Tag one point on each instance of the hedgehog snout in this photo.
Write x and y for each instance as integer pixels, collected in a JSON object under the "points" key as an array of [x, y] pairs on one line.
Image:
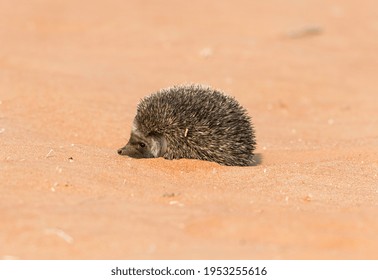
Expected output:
{"points": [[122, 151]]}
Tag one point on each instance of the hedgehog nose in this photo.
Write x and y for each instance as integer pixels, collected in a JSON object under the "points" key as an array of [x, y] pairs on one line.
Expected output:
{"points": [[119, 151]]}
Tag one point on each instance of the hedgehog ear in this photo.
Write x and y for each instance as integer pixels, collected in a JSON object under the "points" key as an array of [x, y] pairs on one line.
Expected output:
{"points": [[134, 126], [158, 144]]}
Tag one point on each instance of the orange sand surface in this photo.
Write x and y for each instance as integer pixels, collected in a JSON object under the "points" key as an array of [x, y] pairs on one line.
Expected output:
{"points": [[72, 73]]}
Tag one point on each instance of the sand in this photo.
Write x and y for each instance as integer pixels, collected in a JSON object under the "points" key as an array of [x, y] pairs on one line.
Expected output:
{"points": [[72, 73]]}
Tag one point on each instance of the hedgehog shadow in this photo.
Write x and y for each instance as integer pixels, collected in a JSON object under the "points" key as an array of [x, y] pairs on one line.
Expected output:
{"points": [[257, 159]]}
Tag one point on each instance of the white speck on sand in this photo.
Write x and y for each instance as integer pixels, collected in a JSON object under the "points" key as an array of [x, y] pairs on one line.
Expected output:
{"points": [[60, 233]]}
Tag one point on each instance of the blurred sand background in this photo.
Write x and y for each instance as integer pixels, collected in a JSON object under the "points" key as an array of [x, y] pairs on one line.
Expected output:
{"points": [[72, 73]]}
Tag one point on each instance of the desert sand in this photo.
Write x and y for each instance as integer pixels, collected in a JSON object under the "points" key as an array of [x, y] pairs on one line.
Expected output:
{"points": [[73, 72]]}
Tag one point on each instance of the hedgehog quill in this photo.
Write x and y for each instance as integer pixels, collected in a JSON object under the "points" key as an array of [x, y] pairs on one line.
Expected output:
{"points": [[194, 122]]}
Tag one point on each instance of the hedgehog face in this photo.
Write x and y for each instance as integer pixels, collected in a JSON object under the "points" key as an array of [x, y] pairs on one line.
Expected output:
{"points": [[152, 145]]}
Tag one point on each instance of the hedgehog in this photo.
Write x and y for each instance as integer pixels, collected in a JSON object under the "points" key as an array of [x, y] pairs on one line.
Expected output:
{"points": [[192, 121]]}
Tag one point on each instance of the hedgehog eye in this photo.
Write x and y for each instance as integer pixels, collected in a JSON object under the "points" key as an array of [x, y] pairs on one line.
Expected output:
{"points": [[142, 145]]}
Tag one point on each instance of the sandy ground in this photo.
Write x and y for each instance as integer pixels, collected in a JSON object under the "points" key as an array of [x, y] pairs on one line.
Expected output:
{"points": [[72, 73]]}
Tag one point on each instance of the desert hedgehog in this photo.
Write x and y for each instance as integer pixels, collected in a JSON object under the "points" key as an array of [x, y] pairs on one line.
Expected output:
{"points": [[194, 122]]}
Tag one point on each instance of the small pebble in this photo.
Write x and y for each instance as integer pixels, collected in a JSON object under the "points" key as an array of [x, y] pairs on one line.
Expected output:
{"points": [[175, 202], [53, 188], [309, 30], [59, 233], [308, 198], [206, 52], [50, 153], [169, 194]]}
